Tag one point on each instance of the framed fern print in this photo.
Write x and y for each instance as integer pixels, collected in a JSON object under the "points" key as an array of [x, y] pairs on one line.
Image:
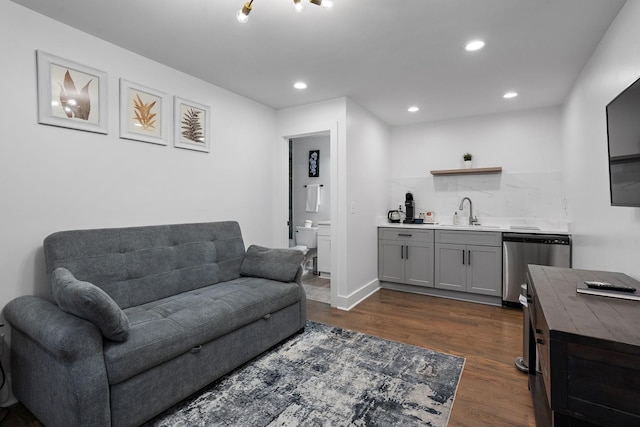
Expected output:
{"points": [[144, 113], [71, 95], [191, 125]]}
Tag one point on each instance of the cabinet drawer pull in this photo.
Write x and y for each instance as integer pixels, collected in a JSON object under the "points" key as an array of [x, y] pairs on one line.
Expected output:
{"points": [[540, 341], [538, 331], [404, 235]]}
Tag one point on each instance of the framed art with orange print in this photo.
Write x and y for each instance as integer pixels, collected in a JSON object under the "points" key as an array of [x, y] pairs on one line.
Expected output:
{"points": [[145, 113]]}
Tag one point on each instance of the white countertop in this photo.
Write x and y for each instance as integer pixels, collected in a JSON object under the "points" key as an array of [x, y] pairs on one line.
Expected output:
{"points": [[499, 228]]}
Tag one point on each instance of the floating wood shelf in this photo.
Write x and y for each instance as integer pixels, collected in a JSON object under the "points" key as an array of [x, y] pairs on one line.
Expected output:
{"points": [[466, 171]]}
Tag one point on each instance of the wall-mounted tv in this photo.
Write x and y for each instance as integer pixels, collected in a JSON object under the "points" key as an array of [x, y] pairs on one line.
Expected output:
{"points": [[623, 134]]}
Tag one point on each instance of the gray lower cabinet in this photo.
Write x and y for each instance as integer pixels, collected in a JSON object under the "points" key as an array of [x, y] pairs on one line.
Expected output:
{"points": [[406, 256], [469, 261]]}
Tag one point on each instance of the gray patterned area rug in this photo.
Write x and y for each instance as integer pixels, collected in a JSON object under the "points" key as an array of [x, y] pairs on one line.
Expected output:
{"points": [[328, 376]]}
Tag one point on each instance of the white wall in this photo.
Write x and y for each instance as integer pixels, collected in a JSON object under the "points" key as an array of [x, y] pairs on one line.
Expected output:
{"points": [[54, 179], [526, 144], [368, 181], [605, 237], [301, 148]]}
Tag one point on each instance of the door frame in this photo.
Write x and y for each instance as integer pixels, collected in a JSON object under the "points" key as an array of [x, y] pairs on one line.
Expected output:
{"points": [[336, 225]]}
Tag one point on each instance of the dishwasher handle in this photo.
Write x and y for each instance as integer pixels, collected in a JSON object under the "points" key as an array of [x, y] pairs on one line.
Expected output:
{"points": [[545, 239]]}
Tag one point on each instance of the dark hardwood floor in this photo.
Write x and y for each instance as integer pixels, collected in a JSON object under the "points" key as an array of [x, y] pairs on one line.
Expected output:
{"points": [[492, 392]]}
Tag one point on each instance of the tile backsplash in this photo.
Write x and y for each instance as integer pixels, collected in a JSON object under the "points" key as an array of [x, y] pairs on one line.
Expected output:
{"points": [[532, 198]]}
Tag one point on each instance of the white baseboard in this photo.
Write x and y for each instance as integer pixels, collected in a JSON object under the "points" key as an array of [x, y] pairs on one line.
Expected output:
{"points": [[348, 302]]}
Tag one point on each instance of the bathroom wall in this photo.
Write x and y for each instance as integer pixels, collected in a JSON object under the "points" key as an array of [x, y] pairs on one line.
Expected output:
{"points": [[526, 144], [301, 148]]}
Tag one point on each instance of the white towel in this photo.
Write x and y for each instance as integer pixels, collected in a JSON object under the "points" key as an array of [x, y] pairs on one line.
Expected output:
{"points": [[313, 197]]}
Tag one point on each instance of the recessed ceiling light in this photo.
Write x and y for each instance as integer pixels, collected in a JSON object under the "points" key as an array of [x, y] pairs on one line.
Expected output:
{"points": [[510, 95], [413, 109], [300, 85], [474, 45]]}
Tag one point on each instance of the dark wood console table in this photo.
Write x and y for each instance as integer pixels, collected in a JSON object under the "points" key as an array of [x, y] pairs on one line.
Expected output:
{"points": [[588, 350]]}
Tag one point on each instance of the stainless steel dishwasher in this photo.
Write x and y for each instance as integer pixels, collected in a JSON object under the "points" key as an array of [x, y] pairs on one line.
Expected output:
{"points": [[518, 251], [522, 249]]}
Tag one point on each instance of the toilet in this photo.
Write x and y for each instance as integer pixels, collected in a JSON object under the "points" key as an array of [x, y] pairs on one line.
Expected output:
{"points": [[307, 237], [307, 242]]}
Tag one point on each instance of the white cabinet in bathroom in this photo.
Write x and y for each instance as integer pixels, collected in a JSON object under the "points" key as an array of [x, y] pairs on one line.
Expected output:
{"points": [[324, 248]]}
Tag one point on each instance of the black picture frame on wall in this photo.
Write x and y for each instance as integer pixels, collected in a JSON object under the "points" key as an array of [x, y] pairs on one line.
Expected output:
{"points": [[314, 163]]}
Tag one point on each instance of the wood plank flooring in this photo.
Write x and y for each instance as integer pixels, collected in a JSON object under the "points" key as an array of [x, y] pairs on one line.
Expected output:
{"points": [[492, 392]]}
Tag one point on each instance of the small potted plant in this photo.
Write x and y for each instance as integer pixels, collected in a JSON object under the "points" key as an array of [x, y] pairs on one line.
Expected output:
{"points": [[467, 160]]}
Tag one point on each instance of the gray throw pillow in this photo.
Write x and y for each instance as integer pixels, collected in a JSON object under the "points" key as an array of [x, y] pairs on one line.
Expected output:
{"points": [[273, 264], [85, 300]]}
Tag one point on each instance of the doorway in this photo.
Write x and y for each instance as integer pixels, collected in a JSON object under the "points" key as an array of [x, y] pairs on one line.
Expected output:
{"points": [[309, 203]]}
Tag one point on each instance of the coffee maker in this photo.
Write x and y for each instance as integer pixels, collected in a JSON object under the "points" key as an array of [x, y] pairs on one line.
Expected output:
{"points": [[409, 208]]}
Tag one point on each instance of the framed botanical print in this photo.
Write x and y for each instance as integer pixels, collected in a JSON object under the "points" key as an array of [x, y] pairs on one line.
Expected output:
{"points": [[191, 125], [71, 95], [144, 113], [314, 163]]}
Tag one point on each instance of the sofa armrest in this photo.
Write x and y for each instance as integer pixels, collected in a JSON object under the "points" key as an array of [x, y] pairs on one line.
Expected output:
{"points": [[57, 364], [62, 334], [299, 273]]}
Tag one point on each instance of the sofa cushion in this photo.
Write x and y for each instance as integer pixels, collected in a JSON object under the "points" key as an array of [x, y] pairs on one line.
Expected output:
{"points": [[164, 329], [274, 264], [137, 265], [89, 302]]}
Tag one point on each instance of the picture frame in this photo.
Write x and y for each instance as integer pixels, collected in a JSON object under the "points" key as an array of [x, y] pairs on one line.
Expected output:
{"points": [[144, 113], [71, 95], [192, 123], [314, 163]]}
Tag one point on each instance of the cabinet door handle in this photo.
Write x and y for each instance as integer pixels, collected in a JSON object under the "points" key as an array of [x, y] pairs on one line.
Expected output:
{"points": [[538, 331], [402, 252], [463, 257], [540, 341], [406, 252], [469, 257]]}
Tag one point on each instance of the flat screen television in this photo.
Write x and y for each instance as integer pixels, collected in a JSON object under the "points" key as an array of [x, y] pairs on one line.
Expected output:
{"points": [[623, 135]]}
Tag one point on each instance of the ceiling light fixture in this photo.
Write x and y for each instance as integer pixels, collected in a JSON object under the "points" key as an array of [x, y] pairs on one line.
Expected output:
{"points": [[474, 45], [413, 109], [510, 95], [300, 85], [243, 14]]}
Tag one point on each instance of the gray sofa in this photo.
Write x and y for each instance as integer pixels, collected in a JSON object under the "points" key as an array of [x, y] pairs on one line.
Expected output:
{"points": [[142, 317]]}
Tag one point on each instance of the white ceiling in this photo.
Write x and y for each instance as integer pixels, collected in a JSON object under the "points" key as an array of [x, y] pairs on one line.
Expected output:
{"points": [[386, 55]]}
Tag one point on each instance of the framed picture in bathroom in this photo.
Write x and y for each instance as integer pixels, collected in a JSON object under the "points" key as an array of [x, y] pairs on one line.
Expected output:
{"points": [[314, 163]]}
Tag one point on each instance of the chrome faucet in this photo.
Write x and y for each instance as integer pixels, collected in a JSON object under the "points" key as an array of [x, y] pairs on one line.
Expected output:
{"points": [[472, 219]]}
